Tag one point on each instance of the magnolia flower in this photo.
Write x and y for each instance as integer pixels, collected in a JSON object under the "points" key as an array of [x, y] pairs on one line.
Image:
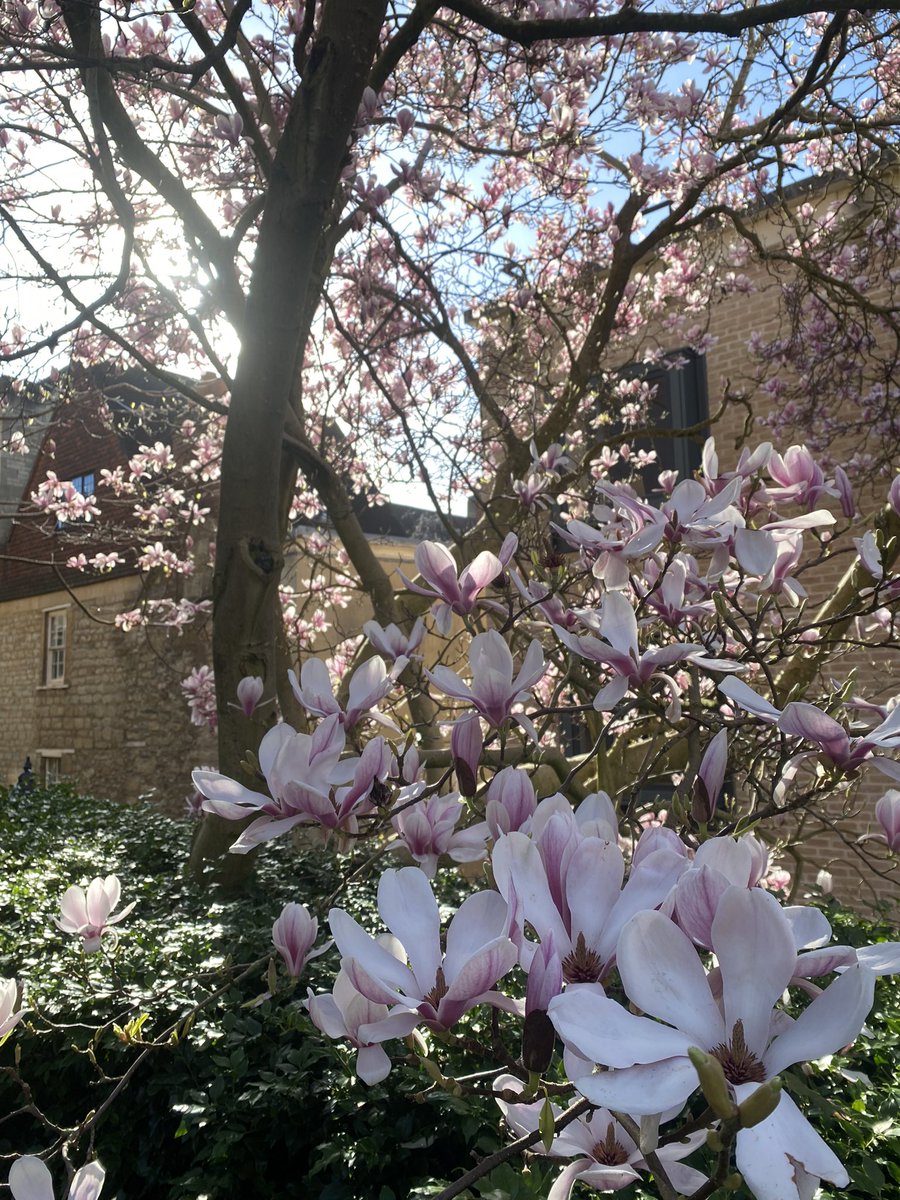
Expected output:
{"points": [[825, 882], [30, 1179], [9, 1018], [711, 776], [607, 1157], [621, 654], [294, 935], [732, 1018], [88, 914], [299, 771], [456, 593], [428, 829], [437, 987], [229, 126], [369, 684], [629, 531], [798, 476], [493, 691], [665, 591], [249, 694], [700, 521], [569, 886], [345, 1013], [510, 802], [391, 641], [806, 721]]}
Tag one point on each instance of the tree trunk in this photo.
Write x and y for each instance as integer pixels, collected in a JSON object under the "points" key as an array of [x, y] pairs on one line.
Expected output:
{"points": [[305, 179]]}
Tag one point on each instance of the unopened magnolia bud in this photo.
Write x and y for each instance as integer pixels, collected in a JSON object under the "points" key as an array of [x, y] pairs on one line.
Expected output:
{"points": [[733, 1182], [466, 745], [538, 1040], [713, 1082], [761, 1103], [714, 1140], [547, 1124]]}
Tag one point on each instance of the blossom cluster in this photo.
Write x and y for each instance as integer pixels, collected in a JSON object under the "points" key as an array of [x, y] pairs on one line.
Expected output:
{"points": [[646, 953]]}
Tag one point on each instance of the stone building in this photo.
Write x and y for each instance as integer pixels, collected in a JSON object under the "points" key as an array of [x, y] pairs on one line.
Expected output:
{"points": [[85, 700], [82, 699]]}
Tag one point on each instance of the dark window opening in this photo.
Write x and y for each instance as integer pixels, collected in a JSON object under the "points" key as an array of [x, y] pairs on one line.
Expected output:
{"points": [[680, 400], [85, 485]]}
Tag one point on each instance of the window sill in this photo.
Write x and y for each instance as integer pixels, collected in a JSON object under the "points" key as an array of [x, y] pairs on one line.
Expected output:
{"points": [[52, 687]]}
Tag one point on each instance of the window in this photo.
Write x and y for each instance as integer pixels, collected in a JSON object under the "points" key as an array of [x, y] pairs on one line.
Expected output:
{"points": [[50, 769], [55, 621], [681, 400], [85, 485]]}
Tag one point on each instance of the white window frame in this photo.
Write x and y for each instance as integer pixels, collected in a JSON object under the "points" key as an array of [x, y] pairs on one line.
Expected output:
{"points": [[55, 756], [51, 769], [55, 644]]}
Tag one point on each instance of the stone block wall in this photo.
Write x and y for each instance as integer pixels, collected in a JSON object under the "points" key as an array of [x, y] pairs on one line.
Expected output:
{"points": [[117, 724]]}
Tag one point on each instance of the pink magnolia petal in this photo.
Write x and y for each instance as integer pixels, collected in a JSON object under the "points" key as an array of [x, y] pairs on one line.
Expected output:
{"points": [[483, 569], [757, 957], [883, 958], [450, 683], [353, 942], [697, 896], [517, 863], [833, 1020], [755, 551], [437, 565], [398, 1023], [744, 697], [809, 926], [263, 829], [729, 856], [372, 988], [618, 624], [325, 1015], [806, 721], [593, 883], [768, 1154], [88, 1182], [229, 798], [602, 1031], [475, 979], [409, 909], [609, 1179], [98, 905], [73, 908], [644, 1090], [372, 1064], [480, 919], [663, 976], [824, 961], [650, 882], [565, 1181], [30, 1179], [610, 695]]}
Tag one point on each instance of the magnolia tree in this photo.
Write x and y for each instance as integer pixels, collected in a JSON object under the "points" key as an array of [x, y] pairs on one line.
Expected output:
{"points": [[406, 241], [653, 979]]}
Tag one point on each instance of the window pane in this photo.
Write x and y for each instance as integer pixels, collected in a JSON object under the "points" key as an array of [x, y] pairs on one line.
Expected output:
{"points": [[55, 647]]}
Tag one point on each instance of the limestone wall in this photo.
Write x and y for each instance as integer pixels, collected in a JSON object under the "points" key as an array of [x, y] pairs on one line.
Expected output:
{"points": [[116, 724]]}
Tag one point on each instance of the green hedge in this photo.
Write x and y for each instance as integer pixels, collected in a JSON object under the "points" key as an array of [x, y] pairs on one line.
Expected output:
{"points": [[254, 1102]]}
